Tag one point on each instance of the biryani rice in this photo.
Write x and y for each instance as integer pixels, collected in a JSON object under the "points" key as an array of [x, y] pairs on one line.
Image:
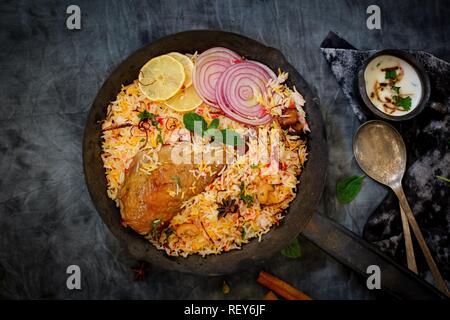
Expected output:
{"points": [[217, 233]]}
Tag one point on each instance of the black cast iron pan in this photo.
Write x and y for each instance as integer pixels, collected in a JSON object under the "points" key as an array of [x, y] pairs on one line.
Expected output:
{"points": [[311, 180], [331, 237]]}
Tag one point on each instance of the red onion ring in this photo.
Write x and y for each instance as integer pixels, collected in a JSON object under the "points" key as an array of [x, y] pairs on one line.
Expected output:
{"points": [[266, 68], [238, 88], [208, 68]]}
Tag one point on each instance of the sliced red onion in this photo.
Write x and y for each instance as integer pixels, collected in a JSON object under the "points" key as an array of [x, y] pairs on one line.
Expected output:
{"points": [[221, 52], [266, 68], [238, 89], [208, 68]]}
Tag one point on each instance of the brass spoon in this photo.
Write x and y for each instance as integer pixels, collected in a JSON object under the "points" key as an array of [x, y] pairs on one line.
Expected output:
{"points": [[380, 152], [410, 258]]}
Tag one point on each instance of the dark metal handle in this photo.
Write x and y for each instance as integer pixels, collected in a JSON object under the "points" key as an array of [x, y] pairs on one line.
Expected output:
{"points": [[354, 252]]}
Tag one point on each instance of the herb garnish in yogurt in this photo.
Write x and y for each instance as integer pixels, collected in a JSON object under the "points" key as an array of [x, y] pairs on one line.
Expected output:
{"points": [[393, 85]]}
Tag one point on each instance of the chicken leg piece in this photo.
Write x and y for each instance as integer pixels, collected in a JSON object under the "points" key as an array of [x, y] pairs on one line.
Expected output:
{"points": [[158, 195]]}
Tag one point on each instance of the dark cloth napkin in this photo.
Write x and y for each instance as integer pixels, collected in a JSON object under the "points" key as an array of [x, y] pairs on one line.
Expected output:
{"points": [[427, 139]]}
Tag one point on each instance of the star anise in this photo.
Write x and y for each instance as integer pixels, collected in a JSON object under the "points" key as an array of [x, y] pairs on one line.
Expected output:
{"points": [[227, 206], [140, 270]]}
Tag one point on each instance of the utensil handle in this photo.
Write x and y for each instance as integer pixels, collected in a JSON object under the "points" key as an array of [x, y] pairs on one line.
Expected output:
{"points": [[357, 254], [410, 258], [440, 282]]}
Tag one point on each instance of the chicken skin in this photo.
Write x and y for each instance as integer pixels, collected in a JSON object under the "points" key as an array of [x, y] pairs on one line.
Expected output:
{"points": [[158, 195]]}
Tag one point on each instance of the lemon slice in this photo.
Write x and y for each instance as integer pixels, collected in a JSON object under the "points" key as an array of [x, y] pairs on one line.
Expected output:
{"points": [[188, 66], [185, 100], [161, 78]]}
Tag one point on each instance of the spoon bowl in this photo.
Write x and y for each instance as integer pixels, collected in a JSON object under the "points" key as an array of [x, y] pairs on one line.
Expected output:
{"points": [[380, 152]]}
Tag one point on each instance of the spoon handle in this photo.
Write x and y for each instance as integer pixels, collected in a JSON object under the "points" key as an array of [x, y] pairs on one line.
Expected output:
{"points": [[410, 258], [440, 282]]}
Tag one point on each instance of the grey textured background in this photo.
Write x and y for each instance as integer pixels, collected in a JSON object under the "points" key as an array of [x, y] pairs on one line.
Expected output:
{"points": [[49, 78]]}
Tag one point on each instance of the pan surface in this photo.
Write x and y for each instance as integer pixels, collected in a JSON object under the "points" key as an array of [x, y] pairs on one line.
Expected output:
{"points": [[311, 181]]}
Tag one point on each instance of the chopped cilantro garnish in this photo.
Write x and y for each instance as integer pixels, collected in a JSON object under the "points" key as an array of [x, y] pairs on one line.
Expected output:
{"points": [[159, 137], [404, 102], [248, 199], [391, 74], [396, 89], [243, 233], [169, 231], [155, 232], [145, 115]]}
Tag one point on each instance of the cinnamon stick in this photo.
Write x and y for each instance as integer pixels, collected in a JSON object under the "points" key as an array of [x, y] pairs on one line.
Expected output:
{"points": [[270, 296], [280, 287]]}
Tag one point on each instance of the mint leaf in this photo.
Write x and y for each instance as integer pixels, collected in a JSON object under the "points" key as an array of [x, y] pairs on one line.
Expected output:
{"points": [[292, 250], [193, 121], [348, 188], [390, 74], [214, 124], [231, 137]]}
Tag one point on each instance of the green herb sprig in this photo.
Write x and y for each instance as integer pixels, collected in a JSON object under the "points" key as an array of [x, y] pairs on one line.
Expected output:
{"points": [[243, 233], [151, 118], [155, 232], [247, 198], [396, 89], [292, 250], [169, 231], [145, 115], [348, 188], [390, 74], [197, 124], [404, 102]]}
